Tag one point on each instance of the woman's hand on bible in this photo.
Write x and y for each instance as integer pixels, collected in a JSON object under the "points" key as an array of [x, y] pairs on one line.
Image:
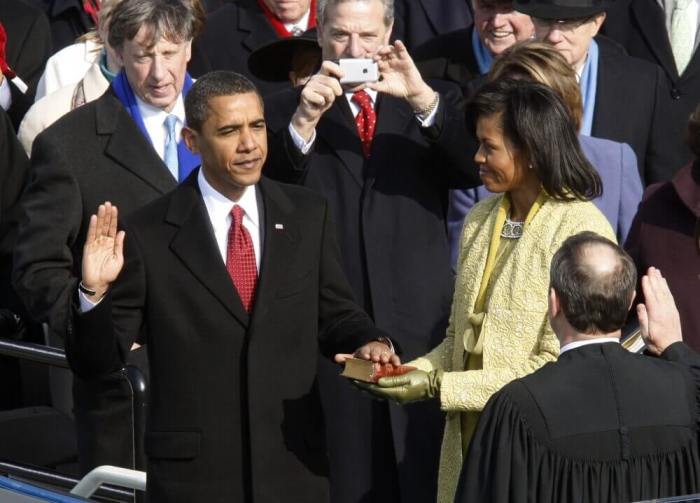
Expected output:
{"points": [[103, 253], [410, 387]]}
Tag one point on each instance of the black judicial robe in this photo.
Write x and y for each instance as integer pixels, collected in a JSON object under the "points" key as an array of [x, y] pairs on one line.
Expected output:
{"points": [[601, 424]]}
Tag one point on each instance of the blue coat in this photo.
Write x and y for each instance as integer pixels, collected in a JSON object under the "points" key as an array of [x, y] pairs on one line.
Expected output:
{"points": [[616, 164]]}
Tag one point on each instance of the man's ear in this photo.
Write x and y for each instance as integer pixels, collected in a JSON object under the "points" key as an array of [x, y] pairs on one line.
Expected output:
{"points": [[191, 139], [634, 296], [599, 20], [554, 305]]}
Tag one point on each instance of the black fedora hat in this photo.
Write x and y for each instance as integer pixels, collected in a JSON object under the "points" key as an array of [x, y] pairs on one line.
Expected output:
{"points": [[273, 61], [561, 9]]}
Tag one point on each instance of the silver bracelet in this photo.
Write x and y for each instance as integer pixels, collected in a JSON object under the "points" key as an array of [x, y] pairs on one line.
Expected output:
{"points": [[424, 112]]}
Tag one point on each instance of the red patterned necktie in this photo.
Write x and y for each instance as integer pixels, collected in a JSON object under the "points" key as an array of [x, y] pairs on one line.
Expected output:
{"points": [[366, 120], [240, 259]]}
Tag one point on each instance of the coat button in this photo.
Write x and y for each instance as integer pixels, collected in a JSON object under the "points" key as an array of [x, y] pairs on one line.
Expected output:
{"points": [[675, 94]]}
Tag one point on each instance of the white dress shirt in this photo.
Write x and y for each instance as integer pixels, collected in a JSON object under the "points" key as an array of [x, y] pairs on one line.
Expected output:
{"points": [[304, 146], [154, 120], [5, 95], [300, 26], [219, 211], [588, 342]]}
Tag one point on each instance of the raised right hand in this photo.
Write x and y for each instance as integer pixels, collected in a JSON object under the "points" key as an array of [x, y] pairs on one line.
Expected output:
{"points": [[103, 253], [659, 319], [317, 97]]}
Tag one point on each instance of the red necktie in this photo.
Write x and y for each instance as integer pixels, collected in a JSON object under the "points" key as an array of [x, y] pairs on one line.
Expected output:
{"points": [[366, 120], [240, 259]]}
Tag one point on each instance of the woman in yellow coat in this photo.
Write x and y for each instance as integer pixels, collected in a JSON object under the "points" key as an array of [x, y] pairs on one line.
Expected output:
{"points": [[528, 154]]}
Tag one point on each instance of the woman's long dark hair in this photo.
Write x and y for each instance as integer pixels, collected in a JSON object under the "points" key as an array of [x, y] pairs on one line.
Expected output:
{"points": [[538, 125]]}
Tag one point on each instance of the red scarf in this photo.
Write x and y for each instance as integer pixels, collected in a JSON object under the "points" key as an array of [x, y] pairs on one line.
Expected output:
{"points": [[4, 67], [91, 8], [278, 25]]}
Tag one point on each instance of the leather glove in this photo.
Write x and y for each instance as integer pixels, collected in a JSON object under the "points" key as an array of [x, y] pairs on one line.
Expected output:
{"points": [[410, 387]]}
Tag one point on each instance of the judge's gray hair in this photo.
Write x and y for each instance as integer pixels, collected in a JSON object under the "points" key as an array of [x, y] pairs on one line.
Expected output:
{"points": [[323, 5], [175, 20]]}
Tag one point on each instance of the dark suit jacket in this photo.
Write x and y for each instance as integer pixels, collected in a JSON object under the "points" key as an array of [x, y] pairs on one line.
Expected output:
{"points": [[628, 105], [417, 21], [640, 26], [234, 412], [230, 35], [663, 236], [14, 170], [28, 48], [93, 154], [600, 424], [449, 56], [390, 212]]}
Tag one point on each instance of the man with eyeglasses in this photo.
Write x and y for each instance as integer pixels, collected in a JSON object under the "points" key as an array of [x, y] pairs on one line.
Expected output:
{"points": [[620, 93]]}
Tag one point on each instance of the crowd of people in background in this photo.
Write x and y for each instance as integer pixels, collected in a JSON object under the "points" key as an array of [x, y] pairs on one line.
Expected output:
{"points": [[192, 188]]}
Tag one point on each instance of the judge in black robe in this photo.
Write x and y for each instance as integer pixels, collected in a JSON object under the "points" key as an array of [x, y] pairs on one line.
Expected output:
{"points": [[599, 425]]}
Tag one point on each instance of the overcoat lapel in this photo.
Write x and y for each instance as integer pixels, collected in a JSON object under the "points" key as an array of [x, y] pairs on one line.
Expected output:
{"points": [[128, 147], [194, 244], [393, 117], [281, 239], [650, 18], [252, 21], [338, 130]]}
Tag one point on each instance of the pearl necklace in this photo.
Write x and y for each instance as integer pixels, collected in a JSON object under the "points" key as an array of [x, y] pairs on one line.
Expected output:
{"points": [[512, 229]]}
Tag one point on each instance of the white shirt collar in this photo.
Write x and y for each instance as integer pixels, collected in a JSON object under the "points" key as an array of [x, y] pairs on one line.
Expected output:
{"points": [[302, 24], [219, 206], [156, 116], [578, 344]]}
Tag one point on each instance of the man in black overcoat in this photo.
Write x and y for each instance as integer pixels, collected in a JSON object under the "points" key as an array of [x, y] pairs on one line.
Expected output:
{"points": [[621, 94], [110, 149], [601, 423], [388, 194], [234, 413], [643, 27]]}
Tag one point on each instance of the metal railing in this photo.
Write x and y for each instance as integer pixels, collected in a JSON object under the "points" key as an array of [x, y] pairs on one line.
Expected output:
{"points": [[56, 357]]}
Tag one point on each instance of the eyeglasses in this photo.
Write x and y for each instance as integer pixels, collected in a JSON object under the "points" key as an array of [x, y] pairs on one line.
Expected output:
{"points": [[561, 24]]}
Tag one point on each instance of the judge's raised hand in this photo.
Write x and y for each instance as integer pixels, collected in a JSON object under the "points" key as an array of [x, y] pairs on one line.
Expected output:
{"points": [[400, 77], [103, 253], [317, 97], [659, 320]]}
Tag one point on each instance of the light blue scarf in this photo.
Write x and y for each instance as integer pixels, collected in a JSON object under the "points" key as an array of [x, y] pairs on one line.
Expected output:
{"points": [[589, 84], [187, 161]]}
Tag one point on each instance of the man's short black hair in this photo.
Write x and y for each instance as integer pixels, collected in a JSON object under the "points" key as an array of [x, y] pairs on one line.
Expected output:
{"points": [[592, 300], [212, 85]]}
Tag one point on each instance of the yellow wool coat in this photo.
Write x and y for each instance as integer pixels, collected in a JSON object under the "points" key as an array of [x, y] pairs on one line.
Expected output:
{"points": [[516, 336]]}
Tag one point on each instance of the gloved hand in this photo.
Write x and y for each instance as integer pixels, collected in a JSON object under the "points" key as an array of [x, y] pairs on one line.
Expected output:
{"points": [[411, 387]]}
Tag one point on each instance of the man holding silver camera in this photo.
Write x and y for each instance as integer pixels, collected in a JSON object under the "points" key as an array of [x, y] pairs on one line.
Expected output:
{"points": [[384, 152]]}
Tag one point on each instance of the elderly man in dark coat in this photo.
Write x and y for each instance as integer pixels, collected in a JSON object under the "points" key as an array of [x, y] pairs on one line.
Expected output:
{"points": [[124, 147], [599, 424]]}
